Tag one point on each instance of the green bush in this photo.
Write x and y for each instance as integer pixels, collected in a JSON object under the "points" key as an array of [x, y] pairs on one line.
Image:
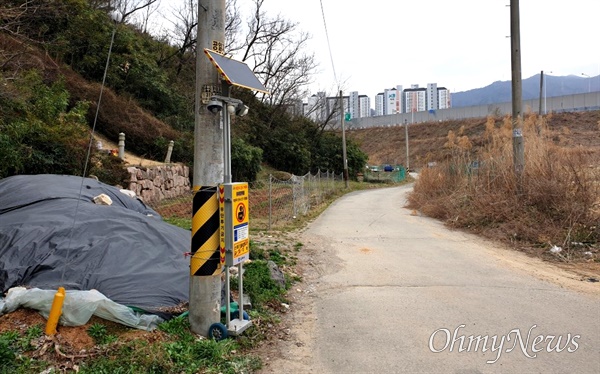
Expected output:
{"points": [[259, 286], [327, 151], [245, 160], [43, 135], [108, 169], [99, 333]]}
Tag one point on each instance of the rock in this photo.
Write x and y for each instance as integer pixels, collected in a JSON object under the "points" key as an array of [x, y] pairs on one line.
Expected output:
{"points": [[103, 199], [276, 274]]}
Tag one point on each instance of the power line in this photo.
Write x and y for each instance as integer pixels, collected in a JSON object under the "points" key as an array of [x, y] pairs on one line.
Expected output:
{"points": [[328, 43]]}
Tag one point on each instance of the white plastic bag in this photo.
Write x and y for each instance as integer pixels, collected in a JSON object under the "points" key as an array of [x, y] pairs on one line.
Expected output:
{"points": [[78, 307]]}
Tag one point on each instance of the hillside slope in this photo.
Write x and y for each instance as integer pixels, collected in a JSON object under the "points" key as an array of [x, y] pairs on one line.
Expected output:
{"points": [[117, 114]]}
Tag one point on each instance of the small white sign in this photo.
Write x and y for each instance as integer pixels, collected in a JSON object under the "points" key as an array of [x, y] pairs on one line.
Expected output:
{"points": [[240, 232]]}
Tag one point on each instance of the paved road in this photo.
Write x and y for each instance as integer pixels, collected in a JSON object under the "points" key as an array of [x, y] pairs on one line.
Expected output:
{"points": [[398, 286]]}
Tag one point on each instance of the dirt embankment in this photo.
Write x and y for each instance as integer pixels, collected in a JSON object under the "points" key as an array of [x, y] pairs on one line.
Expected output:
{"points": [[386, 145]]}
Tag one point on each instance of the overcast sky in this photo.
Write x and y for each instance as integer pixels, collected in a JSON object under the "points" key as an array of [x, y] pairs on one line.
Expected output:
{"points": [[458, 44]]}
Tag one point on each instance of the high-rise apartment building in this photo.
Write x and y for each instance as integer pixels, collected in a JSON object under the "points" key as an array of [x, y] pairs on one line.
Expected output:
{"points": [[354, 104], [333, 104], [444, 101], [415, 99], [316, 108], [379, 104], [364, 105], [432, 96], [389, 102]]}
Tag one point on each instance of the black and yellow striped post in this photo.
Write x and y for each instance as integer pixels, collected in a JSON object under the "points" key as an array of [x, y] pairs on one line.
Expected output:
{"points": [[206, 256]]}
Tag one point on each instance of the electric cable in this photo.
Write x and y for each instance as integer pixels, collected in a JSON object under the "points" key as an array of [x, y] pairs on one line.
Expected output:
{"points": [[89, 151], [328, 43]]}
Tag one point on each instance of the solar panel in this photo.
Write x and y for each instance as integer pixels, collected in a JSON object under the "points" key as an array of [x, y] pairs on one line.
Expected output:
{"points": [[234, 72]]}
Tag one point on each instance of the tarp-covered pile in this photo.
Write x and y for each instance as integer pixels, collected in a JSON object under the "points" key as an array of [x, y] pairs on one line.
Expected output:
{"points": [[53, 234]]}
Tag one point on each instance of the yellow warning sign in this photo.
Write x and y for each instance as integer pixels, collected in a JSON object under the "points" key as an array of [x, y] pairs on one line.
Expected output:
{"points": [[235, 236], [241, 238]]}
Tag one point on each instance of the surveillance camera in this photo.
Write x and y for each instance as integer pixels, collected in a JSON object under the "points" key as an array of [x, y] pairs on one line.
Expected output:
{"points": [[231, 108], [241, 110], [214, 106]]}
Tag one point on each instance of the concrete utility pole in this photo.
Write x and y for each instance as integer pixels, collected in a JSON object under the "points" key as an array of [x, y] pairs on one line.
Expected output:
{"points": [[517, 92], [205, 291], [406, 146], [541, 91], [342, 114]]}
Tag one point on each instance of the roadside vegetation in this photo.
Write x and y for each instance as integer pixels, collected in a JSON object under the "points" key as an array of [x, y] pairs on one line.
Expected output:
{"points": [[552, 212], [52, 61], [172, 348]]}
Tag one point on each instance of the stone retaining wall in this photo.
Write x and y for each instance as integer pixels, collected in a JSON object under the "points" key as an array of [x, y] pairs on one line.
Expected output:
{"points": [[153, 184]]}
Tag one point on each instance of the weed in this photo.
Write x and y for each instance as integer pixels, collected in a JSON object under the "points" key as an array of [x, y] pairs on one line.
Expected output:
{"points": [[276, 256], [257, 251], [7, 353], [550, 204], [100, 335], [259, 285], [12, 347], [179, 327], [184, 223]]}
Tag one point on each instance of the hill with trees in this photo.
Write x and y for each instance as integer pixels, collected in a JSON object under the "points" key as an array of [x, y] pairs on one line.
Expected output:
{"points": [[53, 60]]}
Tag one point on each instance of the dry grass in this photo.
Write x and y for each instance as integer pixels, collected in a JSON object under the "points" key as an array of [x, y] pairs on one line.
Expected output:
{"points": [[555, 202]]}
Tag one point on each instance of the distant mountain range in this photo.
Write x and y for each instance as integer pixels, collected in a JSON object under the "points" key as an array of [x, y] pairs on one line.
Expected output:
{"points": [[500, 91]]}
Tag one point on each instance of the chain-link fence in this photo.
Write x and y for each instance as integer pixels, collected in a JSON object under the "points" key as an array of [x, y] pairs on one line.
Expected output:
{"points": [[273, 202], [383, 173]]}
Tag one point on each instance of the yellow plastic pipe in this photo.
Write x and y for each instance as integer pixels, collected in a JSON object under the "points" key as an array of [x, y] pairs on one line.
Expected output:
{"points": [[55, 311]]}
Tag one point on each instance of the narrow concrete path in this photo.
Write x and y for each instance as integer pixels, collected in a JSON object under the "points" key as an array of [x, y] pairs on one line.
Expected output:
{"points": [[395, 292]]}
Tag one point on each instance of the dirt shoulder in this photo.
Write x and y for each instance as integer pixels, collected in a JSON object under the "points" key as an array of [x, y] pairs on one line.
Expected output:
{"points": [[290, 350]]}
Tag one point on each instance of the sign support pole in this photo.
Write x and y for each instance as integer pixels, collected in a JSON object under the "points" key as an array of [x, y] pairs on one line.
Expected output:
{"points": [[238, 325]]}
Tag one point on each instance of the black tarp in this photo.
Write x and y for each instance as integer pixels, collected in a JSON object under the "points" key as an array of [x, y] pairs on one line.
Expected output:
{"points": [[52, 234]]}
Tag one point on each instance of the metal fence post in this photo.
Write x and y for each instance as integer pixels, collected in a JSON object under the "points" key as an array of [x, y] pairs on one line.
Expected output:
{"points": [[293, 198], [319, 187], [270, 200]]}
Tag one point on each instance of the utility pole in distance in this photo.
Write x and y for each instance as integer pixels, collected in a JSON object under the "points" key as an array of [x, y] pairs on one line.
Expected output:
{"points": [[541, 91], [205, 291], [517, 92], [342, 114]]}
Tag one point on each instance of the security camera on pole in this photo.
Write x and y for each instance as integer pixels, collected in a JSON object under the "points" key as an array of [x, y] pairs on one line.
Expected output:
{"points": [[233, 215], [205, 290], [212, 165]]}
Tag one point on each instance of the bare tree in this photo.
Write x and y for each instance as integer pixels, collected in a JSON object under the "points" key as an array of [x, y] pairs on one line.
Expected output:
{"points": [[183, 34], [184, 30], [274, 49], [324, 111], [129, 7], [142, 21], [233, 23], [20, 17]]}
